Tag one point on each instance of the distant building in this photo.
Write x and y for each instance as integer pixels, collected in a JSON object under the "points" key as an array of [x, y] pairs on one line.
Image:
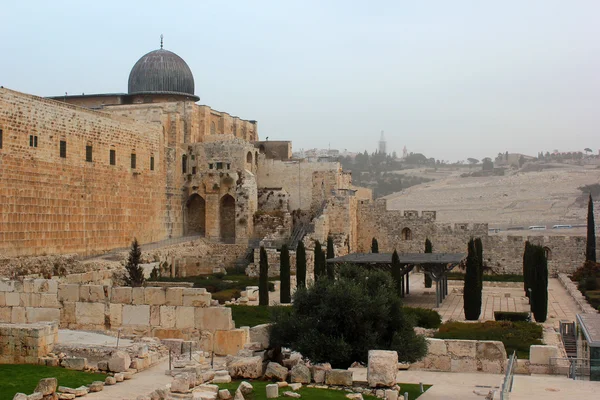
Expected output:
{"points": [[382, 144]]}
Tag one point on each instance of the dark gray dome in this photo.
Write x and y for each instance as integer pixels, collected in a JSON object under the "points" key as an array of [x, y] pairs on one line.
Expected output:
{"points": [[161, 72]]}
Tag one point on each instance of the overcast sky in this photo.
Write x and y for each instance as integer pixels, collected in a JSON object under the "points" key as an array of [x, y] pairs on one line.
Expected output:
{"points": [[451, 79]]}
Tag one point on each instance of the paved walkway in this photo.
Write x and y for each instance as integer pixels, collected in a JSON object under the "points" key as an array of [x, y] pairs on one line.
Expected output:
{"points": [[495, 298], [142, 383]]}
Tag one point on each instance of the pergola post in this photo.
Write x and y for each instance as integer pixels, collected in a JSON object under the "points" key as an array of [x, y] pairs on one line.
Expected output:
{"points": [[407, 282], [402, 286], [437, 294]]}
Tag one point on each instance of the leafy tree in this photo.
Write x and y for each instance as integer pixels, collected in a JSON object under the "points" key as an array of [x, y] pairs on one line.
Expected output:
{"points": [[263, 278], [374, 246], [319, 266], [340, 321], [488, 165], [330, 254], [590, 248], [284, 274], [539, 283], [135, 273], [587, 150], [428, 249], [300, 266], [472, 161], [472, 288]]}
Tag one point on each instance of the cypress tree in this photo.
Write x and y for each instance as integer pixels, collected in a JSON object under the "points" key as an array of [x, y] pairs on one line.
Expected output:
{"points": [[330, 254], [284, 274], [428, 249], [318, 269], [590, 248], [135, 273], [471, 290], [300, 266], [539, 283], [396, 271], [479, 255], [263, 279], [374, 246]]}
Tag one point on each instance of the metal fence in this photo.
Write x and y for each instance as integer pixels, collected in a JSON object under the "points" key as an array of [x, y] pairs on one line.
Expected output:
{"points": [[508, 377], [574, 368]]}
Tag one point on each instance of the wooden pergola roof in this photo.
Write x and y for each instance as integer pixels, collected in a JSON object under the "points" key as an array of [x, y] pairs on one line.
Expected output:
{"points": [[405, 258]]}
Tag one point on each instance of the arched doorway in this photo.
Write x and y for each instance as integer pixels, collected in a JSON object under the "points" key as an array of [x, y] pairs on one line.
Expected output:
{"points": [[196, 216], [249, 158], [406, 234], [227, 218]]}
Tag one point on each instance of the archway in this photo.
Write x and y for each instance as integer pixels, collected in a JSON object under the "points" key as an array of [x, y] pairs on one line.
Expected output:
{"points": [[406, 234], [249, 158], [261, 149], [227, 218], [196, 215]]}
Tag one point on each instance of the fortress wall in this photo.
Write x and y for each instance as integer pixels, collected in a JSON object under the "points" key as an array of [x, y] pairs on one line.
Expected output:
{"points": [[503, 253], [157, 311], [50, 204]]}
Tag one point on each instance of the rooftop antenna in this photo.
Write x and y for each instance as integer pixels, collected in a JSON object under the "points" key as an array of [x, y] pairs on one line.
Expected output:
{"points": [[161, 40]]}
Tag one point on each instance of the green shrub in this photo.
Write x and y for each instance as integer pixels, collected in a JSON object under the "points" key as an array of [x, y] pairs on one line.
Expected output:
{"points": [[340, 321], [226, 295], [271, 287], [459, 276], [255, 315], [511, 316], [516, 336], [424, 317]]}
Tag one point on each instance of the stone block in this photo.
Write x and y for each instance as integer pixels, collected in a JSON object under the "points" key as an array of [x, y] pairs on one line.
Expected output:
{"points": [[136, 315], [491, 350], [382, 368], [42, 314], [174, 297], [181, 384], [261, 334], [436, 347], [46, 386], [30, 299], [391, 394], [155, 316], [74, 363], [116, 315], [319, 371], [18, 315], [49, 300], [68, 292], [213, 318], [89, 313], [110, 380], [522, 367], [154, 296], [462, 348], [174, 345], [245, 367], [184, 317], [229, 342], [541, 354], [463, 365], [7, 285], [121, 295], [67, 313], [5, 314], [300, 373], [137, 295], [224, 395], [272, 391], [96, 386], [94, 293], [492, 367], [13, 299], [2, 299], [196, 297], [167, 316], [45, 286], [438, 363], [338, 377], [276, 371], [119, 361]]}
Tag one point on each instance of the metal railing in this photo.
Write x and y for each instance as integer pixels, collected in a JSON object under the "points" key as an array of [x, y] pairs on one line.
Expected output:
{"points": [[574, 368], [508, 377]]}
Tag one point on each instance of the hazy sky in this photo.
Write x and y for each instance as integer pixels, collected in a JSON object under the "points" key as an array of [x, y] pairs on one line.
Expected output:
{"points": [[451, 79]]}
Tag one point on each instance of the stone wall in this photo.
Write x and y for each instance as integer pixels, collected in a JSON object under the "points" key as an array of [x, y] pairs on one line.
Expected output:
{"points": [[463, 356], [26, 343], [52, 204], [273, 199], [150, 311]]}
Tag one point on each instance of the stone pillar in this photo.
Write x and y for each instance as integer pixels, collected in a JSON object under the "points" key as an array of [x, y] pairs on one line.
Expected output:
{"points": [[213, 230]]}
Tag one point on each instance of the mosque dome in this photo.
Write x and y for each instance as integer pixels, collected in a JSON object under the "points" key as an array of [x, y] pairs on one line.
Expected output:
{"points": [[161, 72]]}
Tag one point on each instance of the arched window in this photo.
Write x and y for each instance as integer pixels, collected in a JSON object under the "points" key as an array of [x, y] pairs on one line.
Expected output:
{"points": [[184, 163], [213, 129], [548, 253], [261, 149], [249, 158], [406, 234]]}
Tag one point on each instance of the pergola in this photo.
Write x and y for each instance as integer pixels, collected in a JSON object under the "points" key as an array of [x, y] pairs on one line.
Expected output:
{"points": [[436, 265]]}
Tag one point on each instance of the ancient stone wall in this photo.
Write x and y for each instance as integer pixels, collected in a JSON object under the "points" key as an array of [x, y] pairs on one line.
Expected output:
{"points": [[154, 311], [26, 343], [53, 204], [273, 199], [275, 149]]}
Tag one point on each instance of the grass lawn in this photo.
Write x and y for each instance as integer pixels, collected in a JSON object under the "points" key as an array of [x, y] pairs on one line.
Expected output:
{"points": [[459, 276], [222, 287], [253, 315], [24, 378], [259, 392], [516, 336]]}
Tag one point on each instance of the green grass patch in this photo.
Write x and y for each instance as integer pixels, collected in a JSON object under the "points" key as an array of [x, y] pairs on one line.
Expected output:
{"points": [[424, 317], [516, 336], [223, 287], [24, 378], [259, 392], [459, 276], [254, 315]]}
